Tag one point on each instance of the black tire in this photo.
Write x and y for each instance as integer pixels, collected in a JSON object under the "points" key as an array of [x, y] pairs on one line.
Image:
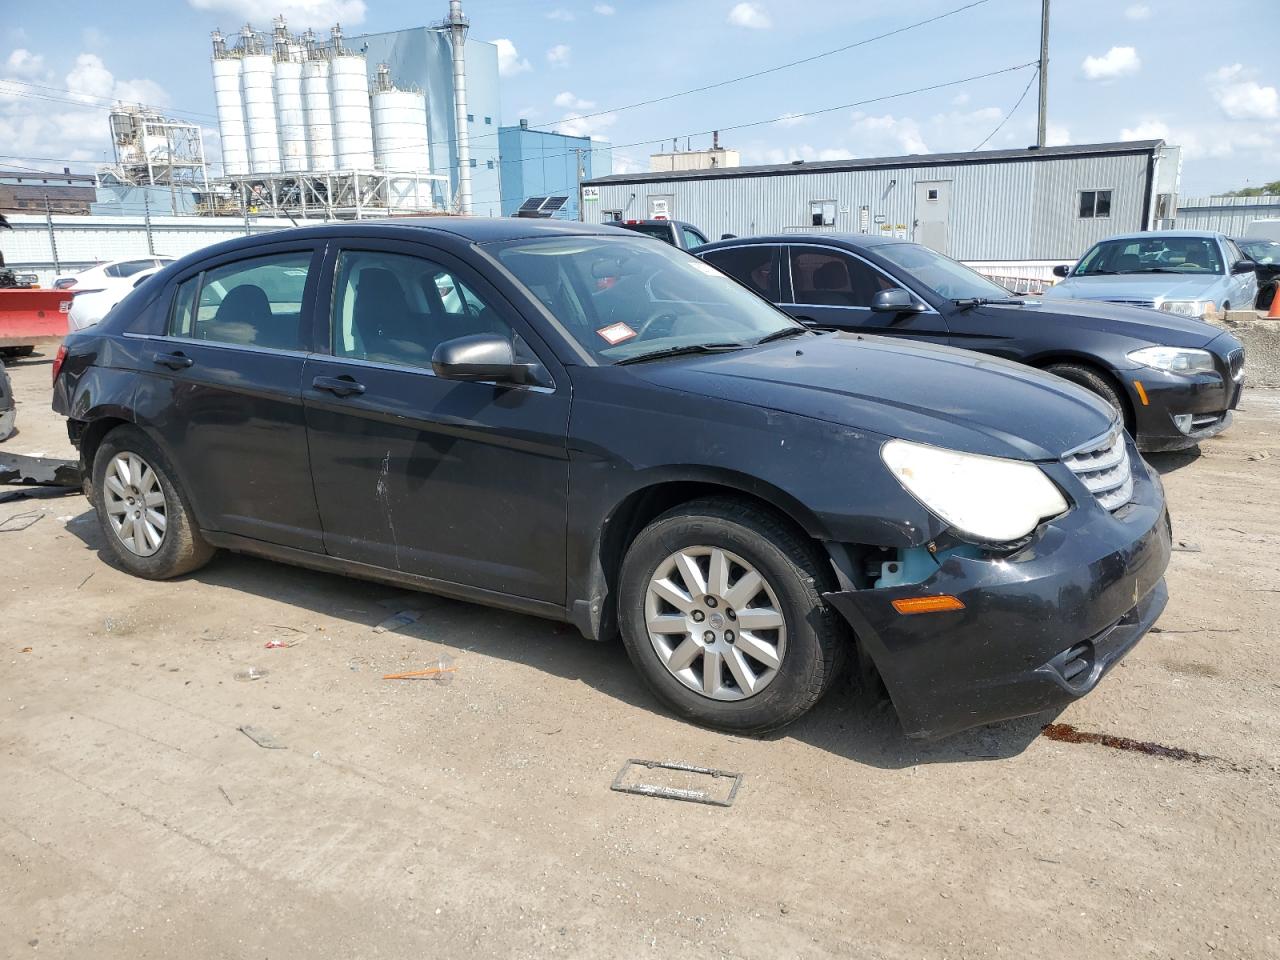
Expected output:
{"points": [[1094, 382], [1265, 297], [817, 640], [16, 353], [182, 549]]}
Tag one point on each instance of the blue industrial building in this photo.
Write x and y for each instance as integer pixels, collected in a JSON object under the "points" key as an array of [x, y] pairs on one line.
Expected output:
{"points": [[540, 163], [421, 58]]}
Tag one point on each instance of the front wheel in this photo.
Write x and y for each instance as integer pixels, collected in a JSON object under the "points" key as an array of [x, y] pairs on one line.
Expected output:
{"points": [[143, 513], [721, 612], [1094, 382]]}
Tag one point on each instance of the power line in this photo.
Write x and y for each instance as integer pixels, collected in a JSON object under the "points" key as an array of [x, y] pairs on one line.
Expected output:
{"points": [[1007, 116]]}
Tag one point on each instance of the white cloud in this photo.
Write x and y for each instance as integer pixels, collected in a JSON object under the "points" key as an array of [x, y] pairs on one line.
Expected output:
{"points": [[568, 101], [960, 99], [887, 135], [300, 13], [1116, 62], [605, 9], [1241, 98], [572, 126], [791, 120], [509, 60], [753, 16], [561, 14], [558, 56], [1056, 136], [1138, 11], [23, 63]]}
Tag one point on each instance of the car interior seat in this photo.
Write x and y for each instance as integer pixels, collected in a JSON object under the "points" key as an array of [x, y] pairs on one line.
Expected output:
{"points": [[244, 316]]}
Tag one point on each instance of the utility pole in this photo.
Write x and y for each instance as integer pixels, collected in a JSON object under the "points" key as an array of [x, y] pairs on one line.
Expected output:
{"points": [[1044, 73], [578, 166], [457, 25]]}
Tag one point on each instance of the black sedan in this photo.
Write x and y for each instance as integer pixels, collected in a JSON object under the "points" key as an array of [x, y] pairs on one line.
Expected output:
{"points": [[1173, 380], [586, 425], [1266, 254]]}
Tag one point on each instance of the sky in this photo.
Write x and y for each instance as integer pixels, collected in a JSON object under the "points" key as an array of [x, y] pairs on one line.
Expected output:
{"points": [[1203, 77]]}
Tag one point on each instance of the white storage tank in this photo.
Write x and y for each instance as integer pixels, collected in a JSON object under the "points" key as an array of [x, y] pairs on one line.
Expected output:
{"points": [[400, 131], [319, 114], [291, 116], [257, 85], [231, 126], [352, 125]]}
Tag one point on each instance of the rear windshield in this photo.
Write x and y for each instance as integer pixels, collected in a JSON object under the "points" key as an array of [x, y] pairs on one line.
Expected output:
{"points": [[1189, 255], [660, 230]]}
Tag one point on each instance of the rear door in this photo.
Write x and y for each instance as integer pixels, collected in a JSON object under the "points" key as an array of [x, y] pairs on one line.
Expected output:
{"points": [[458, 481], [1244, 286], [223, 392], [833, 289]]}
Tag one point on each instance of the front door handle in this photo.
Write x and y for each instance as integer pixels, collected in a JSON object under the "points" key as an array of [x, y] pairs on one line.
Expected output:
{"points": [[174, 361], [343, 386]]}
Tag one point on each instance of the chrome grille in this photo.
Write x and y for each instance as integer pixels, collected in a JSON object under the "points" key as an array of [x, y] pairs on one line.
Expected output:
{"points": [[1236, 361], [1103, 467], [1133, 303]]}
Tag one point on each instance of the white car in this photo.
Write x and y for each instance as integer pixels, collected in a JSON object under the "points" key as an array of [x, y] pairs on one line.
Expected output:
{"points": [[91, 306], [98, 277]]}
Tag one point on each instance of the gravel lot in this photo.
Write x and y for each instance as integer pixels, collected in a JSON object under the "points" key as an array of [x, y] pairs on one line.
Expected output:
{"points": [[411, 819]]}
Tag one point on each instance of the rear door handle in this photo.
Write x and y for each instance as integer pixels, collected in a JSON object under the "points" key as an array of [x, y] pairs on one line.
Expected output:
{"points": [[174, 361], [343, 386]]}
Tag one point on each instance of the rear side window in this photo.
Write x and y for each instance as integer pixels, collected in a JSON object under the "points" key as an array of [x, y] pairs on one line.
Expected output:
{"points": [[755, 267], [254, 302]]}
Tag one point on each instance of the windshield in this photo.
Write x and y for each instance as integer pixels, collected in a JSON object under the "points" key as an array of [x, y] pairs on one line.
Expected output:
{"points": [[624, 296], [941, 274], [1190, 255], [1261, 251]]}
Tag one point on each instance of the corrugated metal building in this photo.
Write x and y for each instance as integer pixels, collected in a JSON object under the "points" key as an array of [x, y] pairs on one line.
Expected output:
{"points": [[1031, 207], [542, 163], [1229, 215]]}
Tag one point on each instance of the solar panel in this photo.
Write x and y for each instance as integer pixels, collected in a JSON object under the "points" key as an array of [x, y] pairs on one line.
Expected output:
{"points": [[533, 203], [553, 204]]}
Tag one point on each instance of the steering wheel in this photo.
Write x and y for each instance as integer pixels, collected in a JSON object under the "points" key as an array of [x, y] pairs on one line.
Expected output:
{"points": [[653, 318]]}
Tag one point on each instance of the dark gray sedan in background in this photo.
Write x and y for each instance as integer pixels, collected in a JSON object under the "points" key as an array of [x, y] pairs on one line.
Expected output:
{"points": [[587, 425]]}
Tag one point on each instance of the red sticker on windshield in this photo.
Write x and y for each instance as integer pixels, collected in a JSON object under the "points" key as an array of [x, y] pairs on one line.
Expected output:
{"points": [[616, 333]]}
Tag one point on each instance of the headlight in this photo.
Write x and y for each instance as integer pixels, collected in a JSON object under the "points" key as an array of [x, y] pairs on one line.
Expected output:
{"points": [[988, 498], [1186, 308], [1174, 359]]}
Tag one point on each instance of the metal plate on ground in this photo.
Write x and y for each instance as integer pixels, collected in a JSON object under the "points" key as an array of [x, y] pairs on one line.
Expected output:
{"points": [[683, 782]]}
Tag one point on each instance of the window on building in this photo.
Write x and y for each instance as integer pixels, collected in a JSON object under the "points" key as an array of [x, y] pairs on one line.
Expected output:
{"points": [[931, 193], [489, 164], [822, 213], [1095, 204], [473, 161], [488, 121], [471, 118]]}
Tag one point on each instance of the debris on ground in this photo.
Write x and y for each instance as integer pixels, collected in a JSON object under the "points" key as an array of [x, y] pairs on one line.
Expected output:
{"points": [[26, 649], [250, 673], [1186, 546], [1066, 733], [1259, 455], [278, 644], [401, 619], [226, 796], [19, 521], [689, 794], [442, 673], [263, 738], [40, 471]]}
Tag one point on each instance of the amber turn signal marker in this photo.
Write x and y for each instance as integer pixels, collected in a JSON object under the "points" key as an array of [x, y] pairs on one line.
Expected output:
{"points": [[1142, 394], [927, 604]]}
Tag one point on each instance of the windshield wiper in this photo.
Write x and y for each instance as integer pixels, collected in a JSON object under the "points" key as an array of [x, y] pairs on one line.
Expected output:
{"points": [[1156, 270], [968, 302], [783, 334], [680, 352]]}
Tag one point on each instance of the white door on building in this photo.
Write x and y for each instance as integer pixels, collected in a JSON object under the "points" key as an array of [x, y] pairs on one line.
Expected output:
{"points": [[933, 209]]}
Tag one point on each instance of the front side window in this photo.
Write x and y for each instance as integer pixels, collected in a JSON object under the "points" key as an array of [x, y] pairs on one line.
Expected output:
{"points": [[395, 308], [254, 302], [692, 238], [1095, 204], [755, 266], [624, 296], [1154, 254], [1261, 251], [830, 279]]}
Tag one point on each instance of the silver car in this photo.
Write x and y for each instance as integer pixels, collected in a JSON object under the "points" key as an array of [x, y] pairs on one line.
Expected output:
{"points": [[1187, 272]]}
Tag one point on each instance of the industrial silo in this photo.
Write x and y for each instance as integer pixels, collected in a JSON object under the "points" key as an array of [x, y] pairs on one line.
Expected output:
{"points": [[349, 94], [319, 114], [226, 93], [399, 128], [257, 85], [291, 115]]}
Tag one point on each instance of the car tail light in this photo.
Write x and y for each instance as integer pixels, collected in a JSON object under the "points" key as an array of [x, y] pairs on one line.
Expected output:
{"points": [[66, 283], [58, 360]]}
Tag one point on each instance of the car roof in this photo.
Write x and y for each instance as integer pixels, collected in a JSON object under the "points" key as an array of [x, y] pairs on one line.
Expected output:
{"points": [[852, 241], [1148, 234]]}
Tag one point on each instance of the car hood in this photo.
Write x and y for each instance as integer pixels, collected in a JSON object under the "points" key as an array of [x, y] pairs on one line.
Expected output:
{"points": [[929, 394], [1138, 286], [1140, 323]]}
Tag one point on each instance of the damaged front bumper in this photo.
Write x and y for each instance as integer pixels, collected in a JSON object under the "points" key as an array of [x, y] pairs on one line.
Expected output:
{"points": [[1039, 628]]}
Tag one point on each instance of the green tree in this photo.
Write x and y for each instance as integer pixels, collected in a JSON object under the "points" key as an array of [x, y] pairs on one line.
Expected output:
{"points": [[1266, 190]]}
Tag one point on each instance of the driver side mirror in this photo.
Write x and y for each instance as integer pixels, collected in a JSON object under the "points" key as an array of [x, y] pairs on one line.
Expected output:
{"points": [[896, 300], [481, 356], [1062, 270], [1244, 266]]}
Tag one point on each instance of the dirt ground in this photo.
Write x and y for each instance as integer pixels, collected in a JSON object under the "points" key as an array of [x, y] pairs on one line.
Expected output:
{"points": [[412, 819]]}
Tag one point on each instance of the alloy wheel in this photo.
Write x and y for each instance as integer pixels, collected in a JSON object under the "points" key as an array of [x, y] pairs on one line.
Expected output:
{"points": [[135, 503], [715, 623]]}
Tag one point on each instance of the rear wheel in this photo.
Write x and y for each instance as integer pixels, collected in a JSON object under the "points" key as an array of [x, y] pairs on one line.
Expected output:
{"points": [[16, 353], [143, 514], [721, 612], [1094, 382]]}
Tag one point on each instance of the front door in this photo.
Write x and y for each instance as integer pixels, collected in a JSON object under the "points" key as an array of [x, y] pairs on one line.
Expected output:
{"points": [[457, 481], [833, 289], [933, 209], [223, 393]]}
